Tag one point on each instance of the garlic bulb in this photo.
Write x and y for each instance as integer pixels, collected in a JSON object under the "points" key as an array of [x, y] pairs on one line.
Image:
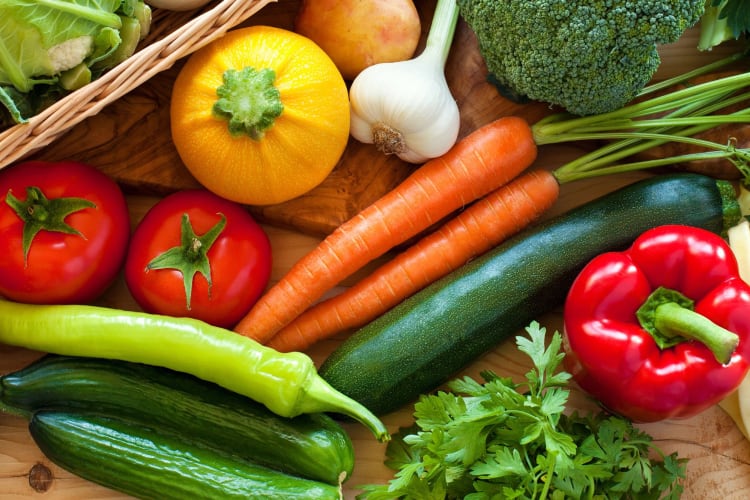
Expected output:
{"points": [[406, 108]]}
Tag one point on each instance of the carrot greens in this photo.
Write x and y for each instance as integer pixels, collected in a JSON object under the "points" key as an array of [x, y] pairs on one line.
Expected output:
{"points": [[501, 439], [674, 110]]}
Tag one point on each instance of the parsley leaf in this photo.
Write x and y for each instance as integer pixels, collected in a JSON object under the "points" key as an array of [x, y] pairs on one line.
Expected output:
{"points": [[500, 439]]}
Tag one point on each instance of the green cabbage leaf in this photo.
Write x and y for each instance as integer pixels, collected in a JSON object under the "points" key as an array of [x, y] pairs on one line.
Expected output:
{"points": [[51, 47]]}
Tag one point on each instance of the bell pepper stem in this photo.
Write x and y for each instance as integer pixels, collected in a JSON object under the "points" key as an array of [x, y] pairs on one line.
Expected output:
{"points": [[673, 320]]}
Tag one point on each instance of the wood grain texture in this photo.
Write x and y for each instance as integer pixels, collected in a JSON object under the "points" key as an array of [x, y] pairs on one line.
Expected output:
{"points": [[130, 141], [719, 455]]}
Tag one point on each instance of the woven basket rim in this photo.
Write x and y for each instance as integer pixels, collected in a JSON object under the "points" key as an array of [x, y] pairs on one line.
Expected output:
{"points": [[42, 129]]}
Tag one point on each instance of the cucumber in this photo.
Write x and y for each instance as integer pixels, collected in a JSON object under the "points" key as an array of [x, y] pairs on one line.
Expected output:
{"points": [[422, 342], [145, 463], [310, 445]]}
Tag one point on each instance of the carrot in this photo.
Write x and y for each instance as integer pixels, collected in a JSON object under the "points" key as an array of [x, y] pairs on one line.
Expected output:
{"points": [[479, 163], [477, 229]]}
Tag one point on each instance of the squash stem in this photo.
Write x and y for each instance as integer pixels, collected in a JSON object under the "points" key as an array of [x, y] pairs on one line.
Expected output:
{"points": [[248, 101]]}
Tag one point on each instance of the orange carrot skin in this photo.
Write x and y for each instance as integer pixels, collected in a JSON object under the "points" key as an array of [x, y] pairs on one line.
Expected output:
{"points": [[482, 161], [482, 226]]}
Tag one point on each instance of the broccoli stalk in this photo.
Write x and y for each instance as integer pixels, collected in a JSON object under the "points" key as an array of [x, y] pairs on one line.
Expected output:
{"points": [[723, 20]]}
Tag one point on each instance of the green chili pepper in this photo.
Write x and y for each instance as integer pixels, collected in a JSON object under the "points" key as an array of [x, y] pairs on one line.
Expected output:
{"points": [[287, 383]]}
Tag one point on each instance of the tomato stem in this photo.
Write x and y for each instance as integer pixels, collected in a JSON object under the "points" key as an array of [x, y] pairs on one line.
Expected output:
{"points": [[190, 257], [40, 213]]}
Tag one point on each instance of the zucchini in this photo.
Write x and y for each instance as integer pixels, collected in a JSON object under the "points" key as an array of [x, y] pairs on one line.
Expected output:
{"points": [[426, 339], [145, 463], [310, 445]]}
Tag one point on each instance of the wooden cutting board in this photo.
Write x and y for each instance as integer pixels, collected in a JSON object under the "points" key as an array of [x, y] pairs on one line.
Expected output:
{"points": [[128, 140]]}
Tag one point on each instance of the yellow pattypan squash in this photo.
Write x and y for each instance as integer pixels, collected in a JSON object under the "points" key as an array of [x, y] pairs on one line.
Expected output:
{"points": [[260, 116]]}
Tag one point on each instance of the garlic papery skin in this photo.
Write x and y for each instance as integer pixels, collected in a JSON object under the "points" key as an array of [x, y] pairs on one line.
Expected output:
{"points": [[406, 108]]}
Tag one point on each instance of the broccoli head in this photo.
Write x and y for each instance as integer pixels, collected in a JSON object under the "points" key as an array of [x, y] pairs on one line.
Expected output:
{"points": [[588, 57]]}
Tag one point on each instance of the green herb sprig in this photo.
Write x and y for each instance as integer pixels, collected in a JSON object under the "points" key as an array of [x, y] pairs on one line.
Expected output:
{"points": [[505, 440]]}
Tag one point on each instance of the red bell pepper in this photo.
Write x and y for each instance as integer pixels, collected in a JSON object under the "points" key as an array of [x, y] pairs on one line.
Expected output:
{"points": [[661, 330]]}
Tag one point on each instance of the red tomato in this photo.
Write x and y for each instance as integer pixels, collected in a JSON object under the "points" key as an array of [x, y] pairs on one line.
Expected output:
{"points": [[76, 254], [237, 262]]}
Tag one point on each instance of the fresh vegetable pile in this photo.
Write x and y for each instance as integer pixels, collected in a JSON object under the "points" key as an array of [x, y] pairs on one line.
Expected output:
{"points": [[484, 161], [206, 391], [416, 346]]}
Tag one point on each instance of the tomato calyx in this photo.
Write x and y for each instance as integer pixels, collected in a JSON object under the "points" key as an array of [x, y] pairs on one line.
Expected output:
{"points": [[249, 101], [190, 257], [40, 213]]}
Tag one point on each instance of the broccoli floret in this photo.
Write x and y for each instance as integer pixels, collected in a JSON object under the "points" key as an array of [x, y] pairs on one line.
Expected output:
{"points": [[588, 57]]}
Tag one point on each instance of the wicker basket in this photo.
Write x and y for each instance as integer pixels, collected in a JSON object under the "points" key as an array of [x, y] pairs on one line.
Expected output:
{"points": [[173, 35]]}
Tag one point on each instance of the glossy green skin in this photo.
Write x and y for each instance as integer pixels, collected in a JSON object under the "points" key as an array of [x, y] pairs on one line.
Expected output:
{"points": [[310, 445], [428, 338], [183, 344], [286, 383], [142, 462]]}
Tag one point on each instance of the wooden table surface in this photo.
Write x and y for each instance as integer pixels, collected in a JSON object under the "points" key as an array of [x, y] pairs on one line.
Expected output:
{"points": [[719, 455]]}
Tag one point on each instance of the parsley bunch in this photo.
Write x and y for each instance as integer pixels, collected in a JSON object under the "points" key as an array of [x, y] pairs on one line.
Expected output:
{"points": [[503, 440]]}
